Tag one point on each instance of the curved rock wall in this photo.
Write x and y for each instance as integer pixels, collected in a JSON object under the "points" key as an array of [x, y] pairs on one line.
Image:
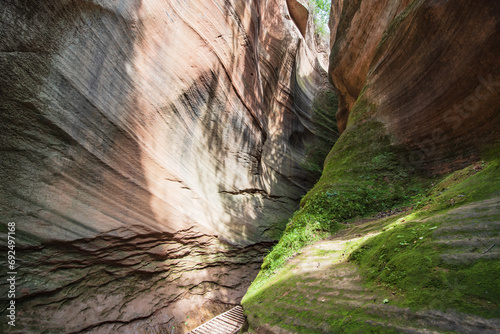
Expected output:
{"points": [[427, 70], [356, 30], [150, 150]]}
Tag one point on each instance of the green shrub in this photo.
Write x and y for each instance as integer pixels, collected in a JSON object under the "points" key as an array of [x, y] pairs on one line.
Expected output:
{"points": [[321, 12]]}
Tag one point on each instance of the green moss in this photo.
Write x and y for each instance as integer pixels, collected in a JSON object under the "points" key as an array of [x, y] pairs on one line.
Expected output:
{"points": [[308, 226], [406, 258], [359, 327], [402, 258], [303, 229], [473, 183], [292, 300], [362, 109], [363, 175], [368, 172], [406, 261], [476, 288], [279, 303], [398, 257], [369, 162]]}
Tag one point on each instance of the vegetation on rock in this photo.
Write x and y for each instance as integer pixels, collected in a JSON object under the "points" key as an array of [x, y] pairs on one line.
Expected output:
{"points": [[363, 175], [321, 14], [407, 258], [365, 278], [342, 265]]}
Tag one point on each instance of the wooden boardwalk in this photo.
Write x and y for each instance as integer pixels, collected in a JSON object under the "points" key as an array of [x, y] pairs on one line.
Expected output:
{"points": [[229, 322]]}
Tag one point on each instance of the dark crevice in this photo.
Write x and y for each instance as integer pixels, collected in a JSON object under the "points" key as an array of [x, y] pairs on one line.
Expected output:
{"points": [[252, 191]]}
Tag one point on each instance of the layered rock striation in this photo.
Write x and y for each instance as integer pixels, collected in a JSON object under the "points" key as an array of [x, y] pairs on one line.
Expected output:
{"points": [[150, 151]]}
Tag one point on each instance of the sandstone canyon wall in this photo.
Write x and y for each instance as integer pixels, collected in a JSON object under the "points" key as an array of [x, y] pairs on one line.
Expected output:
{"points": [[418, 84], [428, 71], [149, 151]]}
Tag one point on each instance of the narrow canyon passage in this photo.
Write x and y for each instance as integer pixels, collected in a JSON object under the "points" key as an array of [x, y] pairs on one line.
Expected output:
{"points": [[164, 161]]}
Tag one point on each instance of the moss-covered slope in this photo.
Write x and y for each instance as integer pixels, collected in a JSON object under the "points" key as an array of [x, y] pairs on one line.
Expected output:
{"points": [[434, 267]]}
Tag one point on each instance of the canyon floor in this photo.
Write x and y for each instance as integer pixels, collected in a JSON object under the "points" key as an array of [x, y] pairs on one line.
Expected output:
{"points": [[328, 288]]}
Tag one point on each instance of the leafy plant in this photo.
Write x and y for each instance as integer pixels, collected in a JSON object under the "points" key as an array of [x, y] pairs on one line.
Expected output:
{"points": [[321, 12]]}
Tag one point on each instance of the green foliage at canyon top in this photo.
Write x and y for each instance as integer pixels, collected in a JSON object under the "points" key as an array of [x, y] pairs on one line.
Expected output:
{"points": [[321, 12]]}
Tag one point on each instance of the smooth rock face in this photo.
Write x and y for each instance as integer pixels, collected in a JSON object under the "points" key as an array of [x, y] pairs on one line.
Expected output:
{"points": [[149, 150], [429, 71], [356, 30]]}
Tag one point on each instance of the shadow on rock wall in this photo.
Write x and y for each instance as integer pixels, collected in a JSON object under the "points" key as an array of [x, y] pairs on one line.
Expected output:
{"points": [[91, 251], [124, 176]]}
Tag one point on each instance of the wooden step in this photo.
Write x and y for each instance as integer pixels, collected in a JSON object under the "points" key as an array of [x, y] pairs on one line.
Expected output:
{"points": [[229, 322]]}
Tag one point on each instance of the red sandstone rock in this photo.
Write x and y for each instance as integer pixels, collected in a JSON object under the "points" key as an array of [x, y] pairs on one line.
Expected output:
{"points": [[148, 149], [429, 72], [356, 30]]}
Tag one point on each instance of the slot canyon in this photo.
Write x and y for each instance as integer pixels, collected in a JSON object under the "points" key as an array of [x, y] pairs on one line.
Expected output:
{"points": [[159, 156]]}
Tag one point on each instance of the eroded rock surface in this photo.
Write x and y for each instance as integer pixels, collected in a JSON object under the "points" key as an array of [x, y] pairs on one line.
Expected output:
{"points": [[149, 151], [419, 95], [429, 71]]}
